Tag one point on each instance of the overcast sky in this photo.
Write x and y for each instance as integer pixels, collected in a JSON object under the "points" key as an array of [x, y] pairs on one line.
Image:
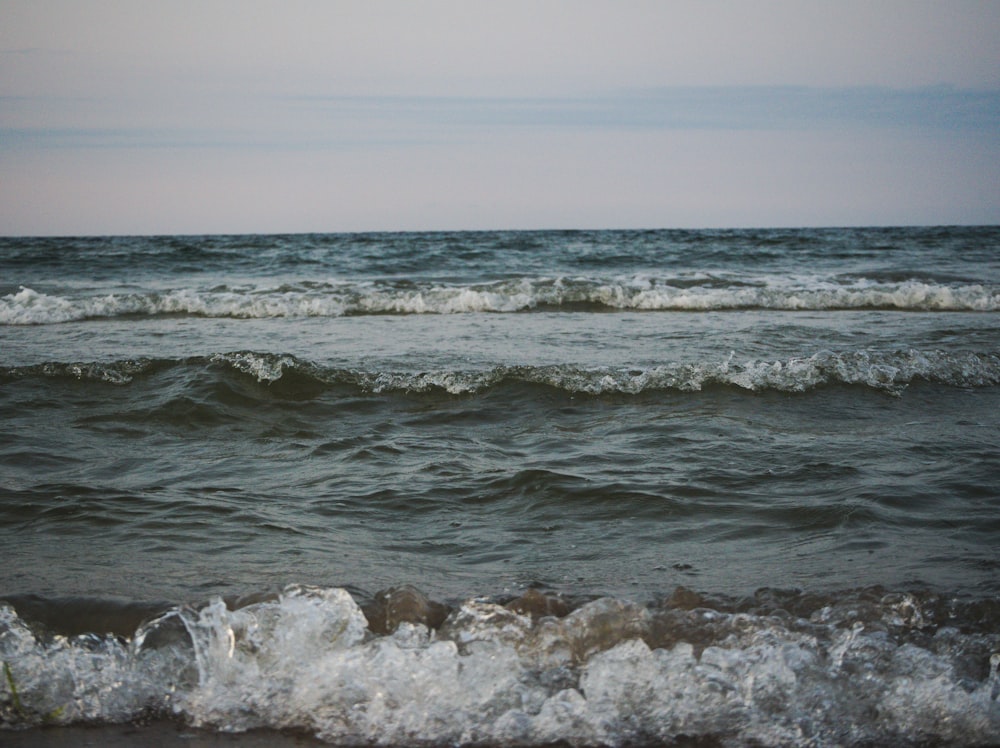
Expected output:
{"points": [[210, 116]]}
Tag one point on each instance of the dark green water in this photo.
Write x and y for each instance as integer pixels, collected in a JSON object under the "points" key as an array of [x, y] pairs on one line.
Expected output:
{"points": [[682, 424]]}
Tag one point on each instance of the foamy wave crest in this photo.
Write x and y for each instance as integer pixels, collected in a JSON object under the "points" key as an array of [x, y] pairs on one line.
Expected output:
{"points": [[27, 307], [113, 372], [863, 671], [909, 296], [888, 371]]}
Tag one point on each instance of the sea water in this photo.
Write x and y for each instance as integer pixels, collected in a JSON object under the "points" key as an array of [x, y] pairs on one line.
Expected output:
{"points": [[506, 488]]}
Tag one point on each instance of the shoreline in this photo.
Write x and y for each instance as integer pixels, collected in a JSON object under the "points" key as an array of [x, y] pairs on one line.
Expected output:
{"points": [[164, 733], [155, 734]]}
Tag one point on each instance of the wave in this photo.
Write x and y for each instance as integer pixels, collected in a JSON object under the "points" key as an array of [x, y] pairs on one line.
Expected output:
{"points": [[698, 293], [886, 371], [783, 668]]}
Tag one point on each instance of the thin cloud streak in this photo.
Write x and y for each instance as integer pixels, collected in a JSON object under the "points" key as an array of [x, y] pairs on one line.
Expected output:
{"points": [[725, 108], [305, 122]]}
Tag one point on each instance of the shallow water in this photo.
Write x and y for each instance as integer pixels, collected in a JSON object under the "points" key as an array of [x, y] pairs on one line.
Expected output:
{"points": [[756, 471]]}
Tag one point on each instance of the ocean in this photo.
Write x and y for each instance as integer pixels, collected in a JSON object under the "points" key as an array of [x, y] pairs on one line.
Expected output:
{"points": [[505, 488]]}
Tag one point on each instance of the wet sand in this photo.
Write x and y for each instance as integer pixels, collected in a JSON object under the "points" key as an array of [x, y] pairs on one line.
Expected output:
{"points": [[164, 734]]}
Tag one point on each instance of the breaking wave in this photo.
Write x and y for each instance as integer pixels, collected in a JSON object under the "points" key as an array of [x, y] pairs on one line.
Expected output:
{"points": [[887, 371], [867, 667], [30, 307]]}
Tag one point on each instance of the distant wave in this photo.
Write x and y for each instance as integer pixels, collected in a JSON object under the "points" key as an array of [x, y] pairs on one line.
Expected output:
{"points": [[886, 371], [861, 668], [30, 307]]}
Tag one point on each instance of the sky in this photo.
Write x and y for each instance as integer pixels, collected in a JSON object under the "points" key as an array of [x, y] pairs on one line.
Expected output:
{"points": [[218, 116]]}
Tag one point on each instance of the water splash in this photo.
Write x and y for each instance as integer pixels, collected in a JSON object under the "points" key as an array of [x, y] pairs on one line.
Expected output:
{"points": [[609, 672]]}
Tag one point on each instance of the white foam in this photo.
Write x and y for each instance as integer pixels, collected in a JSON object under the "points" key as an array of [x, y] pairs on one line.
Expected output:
{"points": [[306, 661], [891, 372], [262, 366], [887, 371], [29, 307]]}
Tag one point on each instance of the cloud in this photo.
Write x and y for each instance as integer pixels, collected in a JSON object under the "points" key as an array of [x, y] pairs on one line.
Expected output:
{"points": [[715, 107], [305, 122]]}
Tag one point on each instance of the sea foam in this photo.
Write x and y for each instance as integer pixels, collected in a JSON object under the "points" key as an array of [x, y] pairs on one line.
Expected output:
{"points": [[30, 307], [610, 672], [889, 371]]}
